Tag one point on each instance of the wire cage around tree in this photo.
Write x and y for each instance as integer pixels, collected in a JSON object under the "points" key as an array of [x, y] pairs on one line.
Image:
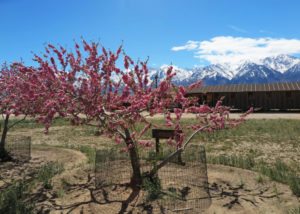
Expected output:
{"points": [[19, 147], [183, 184]]}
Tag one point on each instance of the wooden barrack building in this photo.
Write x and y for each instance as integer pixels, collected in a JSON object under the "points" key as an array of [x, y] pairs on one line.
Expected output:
{"points": [[267, 96]]}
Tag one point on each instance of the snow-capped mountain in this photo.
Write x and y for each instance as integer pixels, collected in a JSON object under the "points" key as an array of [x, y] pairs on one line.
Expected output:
{"points": [[293, 74], [211, 74], [182, 75], [269, 69], [252, 73], [280, 63]]}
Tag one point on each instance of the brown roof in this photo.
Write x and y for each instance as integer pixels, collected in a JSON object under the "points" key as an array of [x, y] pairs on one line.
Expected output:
{"points": [[278, 86]]}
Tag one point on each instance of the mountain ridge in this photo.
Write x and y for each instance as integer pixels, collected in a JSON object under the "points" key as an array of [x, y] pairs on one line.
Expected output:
{"points": [[280, 68]]}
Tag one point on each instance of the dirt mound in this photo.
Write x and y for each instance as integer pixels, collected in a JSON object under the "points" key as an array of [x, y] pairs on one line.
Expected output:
{"points": [[232, 190], [40, 156], [236, 190]]}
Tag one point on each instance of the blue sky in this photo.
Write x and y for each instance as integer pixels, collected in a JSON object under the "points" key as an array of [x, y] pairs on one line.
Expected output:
{"points": [[184, 32]]}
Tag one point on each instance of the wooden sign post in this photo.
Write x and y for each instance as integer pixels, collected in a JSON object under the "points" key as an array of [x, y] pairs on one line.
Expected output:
{"points": [[164, 134]]}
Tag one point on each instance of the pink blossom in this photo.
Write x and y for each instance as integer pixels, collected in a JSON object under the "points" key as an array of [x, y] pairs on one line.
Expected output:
{"points": [[204, 109], [218, 104], [130, 146], [145, 129], [178, 113], [126, 63], [182, 90], [250, 110], [196, 84], [145, 143], [169, 70], [46, 131], [133, 135], [170, 142], [51, 46], [169, 123]]}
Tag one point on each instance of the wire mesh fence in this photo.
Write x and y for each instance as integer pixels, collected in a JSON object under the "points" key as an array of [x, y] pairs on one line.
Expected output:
{"points": [[182, 188], [19, 147]]}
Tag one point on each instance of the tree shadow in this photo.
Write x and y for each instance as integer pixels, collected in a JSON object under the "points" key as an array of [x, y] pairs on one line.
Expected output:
{"points": [[94, 194], [238, 194]]}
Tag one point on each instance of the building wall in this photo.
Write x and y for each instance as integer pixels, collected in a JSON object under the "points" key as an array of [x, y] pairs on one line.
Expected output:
{"points": [[244, 100]]}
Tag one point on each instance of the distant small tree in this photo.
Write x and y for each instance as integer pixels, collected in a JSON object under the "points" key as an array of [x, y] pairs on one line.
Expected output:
{"points": [[90, 89]]}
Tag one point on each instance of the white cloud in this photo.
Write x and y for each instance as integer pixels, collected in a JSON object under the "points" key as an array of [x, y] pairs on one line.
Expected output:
{"points": [[190, 45], [233, 50]]}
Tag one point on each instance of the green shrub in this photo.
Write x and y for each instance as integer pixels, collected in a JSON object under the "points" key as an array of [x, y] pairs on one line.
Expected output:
{"points": [[280, 172], [283, 174], [89, 152], [152, 186], [294, 183], [14, 199], [47, 172], [233, 160]]}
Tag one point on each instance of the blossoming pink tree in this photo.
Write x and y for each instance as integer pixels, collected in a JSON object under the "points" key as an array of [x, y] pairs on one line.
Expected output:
{"points": [[90, 89], [17, 98]]}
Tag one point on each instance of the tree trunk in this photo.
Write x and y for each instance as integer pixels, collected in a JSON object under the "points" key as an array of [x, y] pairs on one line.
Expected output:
{"points": [[4, 156], [136, 179]]}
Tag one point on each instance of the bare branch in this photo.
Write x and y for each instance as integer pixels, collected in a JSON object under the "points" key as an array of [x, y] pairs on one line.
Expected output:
{"points": [[174, 154], [190, 138], [122, 134], [103, 123], [92, 125], [15, 123]]}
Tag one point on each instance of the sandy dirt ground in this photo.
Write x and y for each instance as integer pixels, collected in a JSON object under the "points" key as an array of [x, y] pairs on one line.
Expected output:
{"points": [[295, 116], [270, 116], [232, 190]]}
